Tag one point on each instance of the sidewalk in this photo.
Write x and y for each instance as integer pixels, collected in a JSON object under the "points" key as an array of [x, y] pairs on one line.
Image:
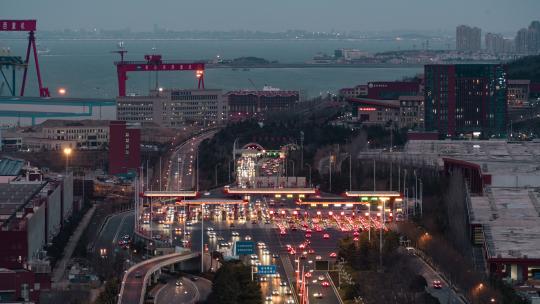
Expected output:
{"points": [[59, 271]]}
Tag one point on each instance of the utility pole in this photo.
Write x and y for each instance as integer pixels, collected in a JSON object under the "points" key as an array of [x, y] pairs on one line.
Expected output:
{"points": [[160, 173], [197, 168], [415, 192]]}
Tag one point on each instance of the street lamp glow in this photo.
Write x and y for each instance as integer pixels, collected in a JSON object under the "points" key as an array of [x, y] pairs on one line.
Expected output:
{"points": [[67, 151], [62, 91]]}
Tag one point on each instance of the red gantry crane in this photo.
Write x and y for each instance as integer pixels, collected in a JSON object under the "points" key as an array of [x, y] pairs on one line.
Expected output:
{"points": [[26, 26], [154, 63]]}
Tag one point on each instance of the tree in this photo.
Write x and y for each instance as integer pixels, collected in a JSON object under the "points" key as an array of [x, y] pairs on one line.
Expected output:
{"points": [[233, 285]]}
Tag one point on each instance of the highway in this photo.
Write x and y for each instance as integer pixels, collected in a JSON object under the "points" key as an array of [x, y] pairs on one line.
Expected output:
{"points": [[189, 292], [114, 228]]}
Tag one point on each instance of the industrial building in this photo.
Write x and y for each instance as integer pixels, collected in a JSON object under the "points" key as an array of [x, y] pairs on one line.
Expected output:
{"points": [[392, 90], [124, 147], [503, 199], [466, 99], [175, 107], [87, 134], [32, 212], [518, 92], [245, 104]]}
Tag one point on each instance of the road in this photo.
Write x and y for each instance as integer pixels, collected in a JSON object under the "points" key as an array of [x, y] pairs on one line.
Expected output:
{"points": [[445, 294], [117, 226], [189, 292]]}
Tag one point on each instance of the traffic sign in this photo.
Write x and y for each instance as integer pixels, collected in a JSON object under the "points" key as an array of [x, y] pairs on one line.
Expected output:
{"points": [[266, 269], [244, 247]]}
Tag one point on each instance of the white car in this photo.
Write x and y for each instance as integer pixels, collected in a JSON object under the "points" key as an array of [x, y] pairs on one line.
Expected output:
{"points": [[247, 238], [321, 278]]}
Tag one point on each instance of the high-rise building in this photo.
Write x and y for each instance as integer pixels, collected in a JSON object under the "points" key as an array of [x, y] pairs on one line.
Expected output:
{"points": [[174, 107], [494, 43], [124, 147], [468, 38], [528, 39], [466, 99]]}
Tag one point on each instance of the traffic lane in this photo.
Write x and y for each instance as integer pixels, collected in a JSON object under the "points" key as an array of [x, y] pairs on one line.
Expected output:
{"points": [[105, 239], [205, 288], [133, 285], [171, 293], [444, 294]]}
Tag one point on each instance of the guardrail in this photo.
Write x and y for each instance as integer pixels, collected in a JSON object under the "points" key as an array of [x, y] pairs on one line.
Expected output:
{"points": [[162, 261]]}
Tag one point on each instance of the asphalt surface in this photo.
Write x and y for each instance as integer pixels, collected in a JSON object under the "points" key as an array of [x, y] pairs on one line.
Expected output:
{"points": [[189, 292], [117, 226], [445, 294]]}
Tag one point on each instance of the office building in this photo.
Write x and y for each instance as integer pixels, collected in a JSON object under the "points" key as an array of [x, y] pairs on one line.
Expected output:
{"points": [[411, 112], [174, 107], [468, 38], [527, 40], [375, 111], [518, 92], [245, 104], [466, 99], [392, 90], [360, 90], [124, 147], [87, 134]]}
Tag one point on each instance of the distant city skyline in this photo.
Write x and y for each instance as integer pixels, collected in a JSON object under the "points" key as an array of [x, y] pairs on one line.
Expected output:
{"points": [[504, 16]]}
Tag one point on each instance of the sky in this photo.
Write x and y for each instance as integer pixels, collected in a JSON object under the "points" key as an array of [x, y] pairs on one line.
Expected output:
{"points": [[504, 16]]}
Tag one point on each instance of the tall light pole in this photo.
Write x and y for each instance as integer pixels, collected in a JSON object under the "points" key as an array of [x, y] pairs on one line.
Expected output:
{"points": [[67, 153], [202, 238], [302, 149], [369, 221], [381, 231], [349, 155], [330, 171], [374, 183]]}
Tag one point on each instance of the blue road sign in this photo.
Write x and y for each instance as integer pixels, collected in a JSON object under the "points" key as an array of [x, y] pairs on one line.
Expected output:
{"points": [[244, 247], [266, 269]]}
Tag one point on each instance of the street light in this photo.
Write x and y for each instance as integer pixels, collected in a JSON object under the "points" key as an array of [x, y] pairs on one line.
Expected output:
{"points": [[67, 153]]}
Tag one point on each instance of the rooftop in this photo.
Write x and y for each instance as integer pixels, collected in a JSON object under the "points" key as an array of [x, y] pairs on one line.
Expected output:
{"points": [[376, 102], [10, 167], [494, 156], [511, 221], [53, 123], [13, 197]]}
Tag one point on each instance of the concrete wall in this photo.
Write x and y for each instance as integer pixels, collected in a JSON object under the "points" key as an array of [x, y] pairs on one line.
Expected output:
{"points": [[67, 196], [520, 180], [35, 231], [54, 205]]}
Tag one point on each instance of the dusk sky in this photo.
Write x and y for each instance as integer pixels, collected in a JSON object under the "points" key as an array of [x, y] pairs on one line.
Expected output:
{"points": [[276, 15]]}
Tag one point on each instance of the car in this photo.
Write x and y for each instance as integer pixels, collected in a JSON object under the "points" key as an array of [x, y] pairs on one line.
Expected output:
{"points": [[325, 284], [308, 274], [179, 283], [275, 256], [290, 301], [275, 292], [282, 283], [333, 255], [254, 222], [194, 279], [138, 274], [437, 284], [308, 235], [232, 225], [288, 291], [234, 233], [326, 236], [268, 299], [263, 279], [318, 295], [318, 257], [311, 251], [283, 232], [321, 278]]}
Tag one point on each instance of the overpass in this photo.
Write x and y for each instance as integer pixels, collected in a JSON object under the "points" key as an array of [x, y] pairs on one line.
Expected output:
{"points": [[137, 277]]}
